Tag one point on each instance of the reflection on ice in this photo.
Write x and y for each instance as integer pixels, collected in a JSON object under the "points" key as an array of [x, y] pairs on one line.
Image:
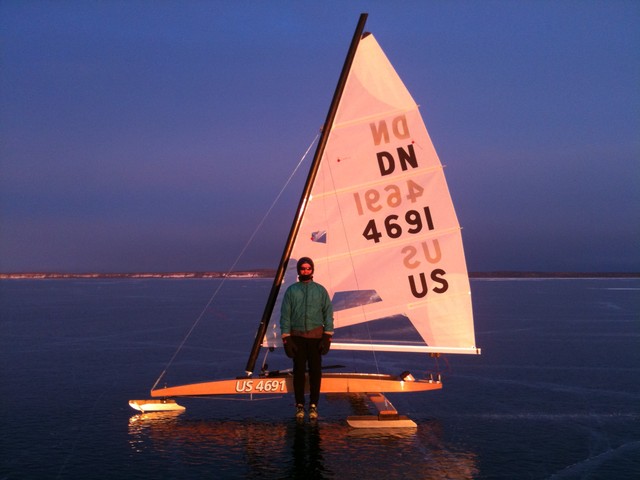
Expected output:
{"points": [[290, 449]]}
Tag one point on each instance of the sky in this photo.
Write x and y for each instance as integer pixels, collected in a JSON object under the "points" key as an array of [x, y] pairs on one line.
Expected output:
{"points": [[154, 135]]}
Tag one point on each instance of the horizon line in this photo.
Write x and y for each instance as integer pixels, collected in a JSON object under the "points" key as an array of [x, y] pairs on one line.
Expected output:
{"points": [[270, 273]]}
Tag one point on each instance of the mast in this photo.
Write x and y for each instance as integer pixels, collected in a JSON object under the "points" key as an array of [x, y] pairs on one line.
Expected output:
{"points": [[277, 281]]}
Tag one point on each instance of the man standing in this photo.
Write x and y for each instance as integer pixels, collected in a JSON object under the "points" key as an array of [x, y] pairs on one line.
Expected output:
{"points": [[306, 326]]}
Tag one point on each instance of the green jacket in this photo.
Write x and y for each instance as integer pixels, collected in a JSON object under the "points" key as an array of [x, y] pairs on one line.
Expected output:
{"points": [[306, 306]]}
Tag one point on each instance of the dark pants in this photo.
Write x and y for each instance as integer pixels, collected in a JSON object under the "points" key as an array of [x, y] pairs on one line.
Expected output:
{"points": [[308, 354]]}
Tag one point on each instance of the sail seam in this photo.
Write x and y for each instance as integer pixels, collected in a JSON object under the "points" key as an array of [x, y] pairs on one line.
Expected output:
{"points": [[381, 181], [377, 248], [432, 300], [368, 118]]}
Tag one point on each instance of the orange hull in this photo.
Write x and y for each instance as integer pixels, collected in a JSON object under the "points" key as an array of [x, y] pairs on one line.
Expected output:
{"points": [[331, 383]]}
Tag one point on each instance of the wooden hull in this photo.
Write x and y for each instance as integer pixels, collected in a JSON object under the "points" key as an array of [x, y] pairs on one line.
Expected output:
{"points": [[331, 383]]}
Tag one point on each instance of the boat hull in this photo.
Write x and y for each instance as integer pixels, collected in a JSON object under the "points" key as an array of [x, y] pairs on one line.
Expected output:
{"points": [[331, 383]]}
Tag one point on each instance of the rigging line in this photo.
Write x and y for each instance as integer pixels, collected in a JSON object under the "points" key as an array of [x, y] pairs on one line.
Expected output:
{"points": [[244, 249]]}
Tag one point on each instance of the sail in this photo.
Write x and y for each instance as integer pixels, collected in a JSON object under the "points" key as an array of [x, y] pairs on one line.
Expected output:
{"points": [[380, 224]]}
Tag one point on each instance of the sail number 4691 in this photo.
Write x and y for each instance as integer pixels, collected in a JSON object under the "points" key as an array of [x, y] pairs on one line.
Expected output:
{"points": [[413, 222], [260, 386]]}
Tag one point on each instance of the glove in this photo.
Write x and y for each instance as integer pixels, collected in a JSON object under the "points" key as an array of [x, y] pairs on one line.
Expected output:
{"points": [[290, 347], [325, 343]]}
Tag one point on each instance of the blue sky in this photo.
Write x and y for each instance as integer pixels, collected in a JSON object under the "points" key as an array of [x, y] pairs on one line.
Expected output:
{"points": [[153, 136]]}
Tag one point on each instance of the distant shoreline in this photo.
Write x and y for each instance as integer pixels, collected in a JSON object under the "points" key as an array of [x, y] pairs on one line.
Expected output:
{"points": [[554, 275], [268, 273], [176, 275]]}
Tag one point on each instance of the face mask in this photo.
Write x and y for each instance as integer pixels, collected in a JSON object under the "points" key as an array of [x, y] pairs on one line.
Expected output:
{"points": [[308, 273]]}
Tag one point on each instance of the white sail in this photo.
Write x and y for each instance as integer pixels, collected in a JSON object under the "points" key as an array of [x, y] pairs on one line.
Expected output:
{"points": [[380, 224]]}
